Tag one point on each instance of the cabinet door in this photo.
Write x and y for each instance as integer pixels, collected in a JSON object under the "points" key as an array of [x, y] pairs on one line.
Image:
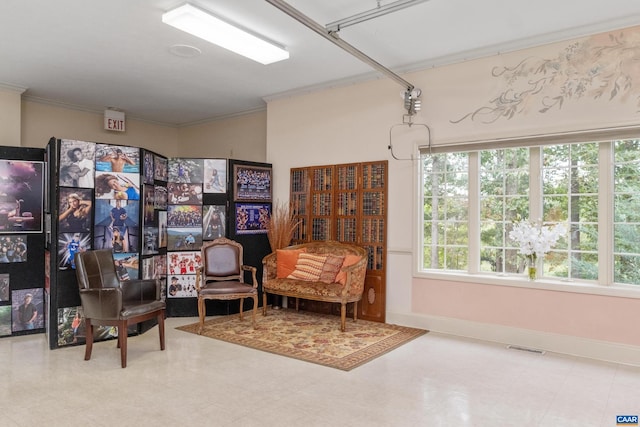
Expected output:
{"points": [[322, 203], [299, 200], [373, 237], [347, 203]]}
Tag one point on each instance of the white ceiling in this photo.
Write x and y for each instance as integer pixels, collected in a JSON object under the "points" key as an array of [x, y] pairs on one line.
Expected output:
{"points": [[94, 54]]}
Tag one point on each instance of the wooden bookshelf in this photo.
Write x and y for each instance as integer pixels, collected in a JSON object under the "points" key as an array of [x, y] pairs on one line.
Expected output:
{"points": [[347, 203]]}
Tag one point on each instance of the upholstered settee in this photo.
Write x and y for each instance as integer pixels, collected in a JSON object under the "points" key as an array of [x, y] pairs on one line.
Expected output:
{"points": [[320, 271]]}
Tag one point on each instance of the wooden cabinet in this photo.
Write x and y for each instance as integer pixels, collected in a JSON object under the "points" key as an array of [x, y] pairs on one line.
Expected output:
{"points": [[347, 203]]}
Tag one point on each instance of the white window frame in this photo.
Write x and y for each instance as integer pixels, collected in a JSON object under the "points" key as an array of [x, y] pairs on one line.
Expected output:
{"points": [[604, 285]]}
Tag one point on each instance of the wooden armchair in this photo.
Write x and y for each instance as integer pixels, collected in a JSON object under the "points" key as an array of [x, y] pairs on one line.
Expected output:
{"points": [[221, 277], [108, 301]]}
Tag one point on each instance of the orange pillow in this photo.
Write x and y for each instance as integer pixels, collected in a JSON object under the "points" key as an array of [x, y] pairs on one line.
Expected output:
{"points": [[286, 260], [341, 277]]}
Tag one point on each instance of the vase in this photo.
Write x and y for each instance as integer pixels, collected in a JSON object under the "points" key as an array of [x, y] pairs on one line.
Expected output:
{"points": [[532, 271]]}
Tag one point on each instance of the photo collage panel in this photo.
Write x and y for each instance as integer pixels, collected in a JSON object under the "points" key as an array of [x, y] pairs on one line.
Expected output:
{"points": [[154, 218], [184, 225]]}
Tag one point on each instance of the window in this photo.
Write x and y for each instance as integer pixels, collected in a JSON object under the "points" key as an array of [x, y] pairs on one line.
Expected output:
{"points": [[592, 187], [626, 217], [504, 197], [446, 213]]}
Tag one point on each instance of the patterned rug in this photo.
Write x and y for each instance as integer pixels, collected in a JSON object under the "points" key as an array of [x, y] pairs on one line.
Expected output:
{"points": [[311, 337]]}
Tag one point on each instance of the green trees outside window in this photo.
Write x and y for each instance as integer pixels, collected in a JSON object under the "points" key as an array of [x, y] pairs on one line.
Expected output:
{"points": [[471, 200]]}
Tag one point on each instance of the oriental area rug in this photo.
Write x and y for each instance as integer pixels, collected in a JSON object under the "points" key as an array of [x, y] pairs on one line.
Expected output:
{"points": [[311, 337]]}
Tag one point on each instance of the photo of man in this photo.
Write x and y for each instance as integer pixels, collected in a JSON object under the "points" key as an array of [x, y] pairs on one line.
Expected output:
{"points": [[68, 245], [76, 163], [112, 158], [28, 309]]}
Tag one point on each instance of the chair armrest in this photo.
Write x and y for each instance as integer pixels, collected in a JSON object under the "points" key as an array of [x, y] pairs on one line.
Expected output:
{"points": [[269, 269], [253, 271], [105, 303], [354, 284], [198, 278], [140, 290]]}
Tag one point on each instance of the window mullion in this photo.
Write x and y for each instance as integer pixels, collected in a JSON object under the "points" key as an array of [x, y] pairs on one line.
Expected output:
{"points": [[474, 212], [535, 183], [605, 213]]}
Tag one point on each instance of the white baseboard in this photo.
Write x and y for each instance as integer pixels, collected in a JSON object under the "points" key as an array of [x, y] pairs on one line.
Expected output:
{"points": [[564, 344]]}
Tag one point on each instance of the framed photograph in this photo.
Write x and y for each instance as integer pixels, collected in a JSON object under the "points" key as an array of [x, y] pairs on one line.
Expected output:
{"points": [[68, 245], [162, 229], [252, 218], [5, 320], [252, 183], [117, 158], [182, 286], [151, 241], [5, 290], [119, 239], [184, 239], [72, 330], [160, 165], [147, 268], [27, 306], [181, 263], [127, 265], [21, 196], [148, 202], [148, 170], [159, 266], [123, 186], [186, 170], [117, 213], [184, 216], [184, 194], [76, 209], [215, 176], [77, 164], [13, 248], [214, 222], [160, 197]]}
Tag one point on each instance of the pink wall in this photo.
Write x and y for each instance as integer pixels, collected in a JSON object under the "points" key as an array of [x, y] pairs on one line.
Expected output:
{"points": [[597, 317]]}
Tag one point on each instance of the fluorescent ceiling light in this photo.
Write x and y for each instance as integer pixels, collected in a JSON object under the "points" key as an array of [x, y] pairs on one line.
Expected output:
{"points": [[206, 26]]}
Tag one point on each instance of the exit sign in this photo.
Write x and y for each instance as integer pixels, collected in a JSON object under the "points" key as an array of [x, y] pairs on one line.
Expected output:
{"points": [[114, 120]]}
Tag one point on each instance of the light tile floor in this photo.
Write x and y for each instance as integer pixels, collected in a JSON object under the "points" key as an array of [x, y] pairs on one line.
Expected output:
{"points": [[435, 380]]}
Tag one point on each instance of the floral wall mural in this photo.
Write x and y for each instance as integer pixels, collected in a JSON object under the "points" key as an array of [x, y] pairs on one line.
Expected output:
{"points": [[603, 67]]}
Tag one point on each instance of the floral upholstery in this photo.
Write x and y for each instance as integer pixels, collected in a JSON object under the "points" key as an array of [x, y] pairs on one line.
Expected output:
{"points": [[349, 292]]}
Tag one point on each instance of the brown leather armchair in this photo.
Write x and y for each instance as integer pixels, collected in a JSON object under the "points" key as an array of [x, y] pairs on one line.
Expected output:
{"points": [[110, 302], [221, 276]]}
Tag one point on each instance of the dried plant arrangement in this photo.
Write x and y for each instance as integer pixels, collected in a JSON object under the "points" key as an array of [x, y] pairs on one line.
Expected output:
{"points": [[281, 226]]}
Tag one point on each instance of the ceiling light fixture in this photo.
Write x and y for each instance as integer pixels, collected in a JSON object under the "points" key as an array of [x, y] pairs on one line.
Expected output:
{"points": [[202, 24]]}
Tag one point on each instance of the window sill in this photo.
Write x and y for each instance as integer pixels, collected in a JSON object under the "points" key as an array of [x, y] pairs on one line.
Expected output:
{"points": [[623, 291]]}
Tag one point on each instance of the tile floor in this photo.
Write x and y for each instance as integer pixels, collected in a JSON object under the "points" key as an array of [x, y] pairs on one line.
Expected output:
{"points": [[435, 380]]}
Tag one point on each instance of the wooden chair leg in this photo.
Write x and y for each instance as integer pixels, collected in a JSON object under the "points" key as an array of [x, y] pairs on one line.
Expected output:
{"points": [[89, 341], [343, 317], [264, 303], [255, 310], [355, 311], [201, 314], [161, 328], [241, 307], [122, 337]]}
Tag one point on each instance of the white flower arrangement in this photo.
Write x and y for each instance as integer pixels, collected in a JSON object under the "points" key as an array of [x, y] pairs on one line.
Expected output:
{"points": [[536, 239]]}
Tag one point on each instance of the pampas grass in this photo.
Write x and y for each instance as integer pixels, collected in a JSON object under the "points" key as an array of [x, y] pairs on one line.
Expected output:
{"points": [[281, 226]]}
